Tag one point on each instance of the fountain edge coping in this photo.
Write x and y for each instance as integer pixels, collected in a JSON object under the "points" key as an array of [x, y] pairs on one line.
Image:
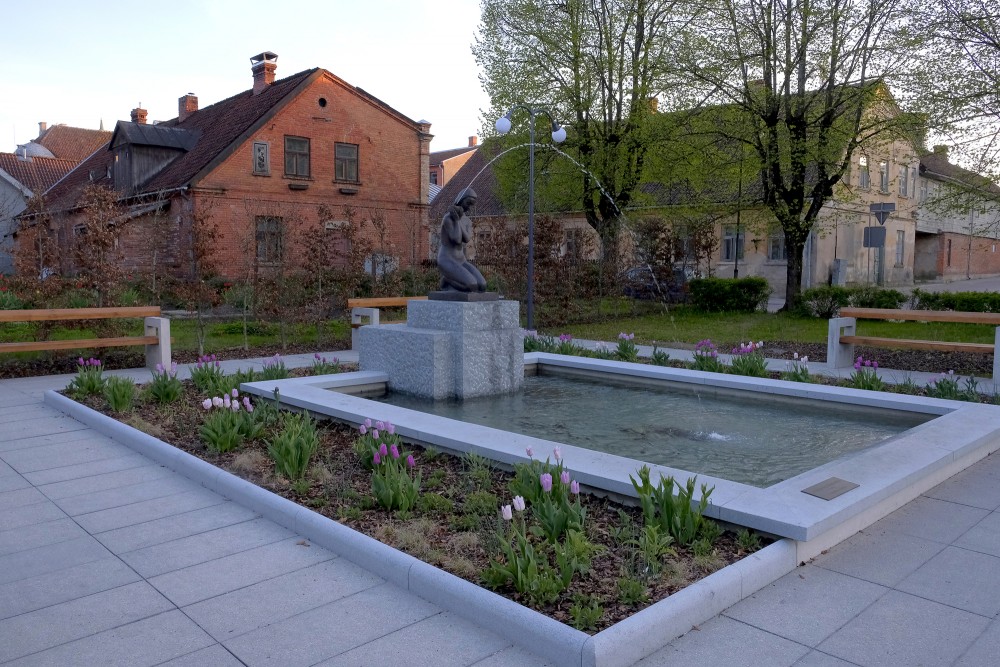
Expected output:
{"points": [[622, 644]]}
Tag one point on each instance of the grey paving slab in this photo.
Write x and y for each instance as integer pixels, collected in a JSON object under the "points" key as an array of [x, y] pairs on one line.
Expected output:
{"points": [[15, 413], [983, 537], [213, 656], [512, 656], [807, 605], [724, 641], [282, 597], [332, 629], [11, 398], [67, 472], [28, 515], [50, 558], [188, 551], [222, 575], [985, 650], [104, 481], [879, 556], [6, 470], [39, 534], [158, 531], [10, 444], [143, 643], [47, 426], [443, 640], [156, 508], [933, 519], [905, 630], [20, 498], [13, 483], [959, 578], [125, 495], [63, 454], [820, 659], [976, 486], [45, 628], [24, 595]]}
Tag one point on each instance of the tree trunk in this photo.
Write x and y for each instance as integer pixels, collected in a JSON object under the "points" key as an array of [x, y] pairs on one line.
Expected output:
{"points": [[793, 274]]}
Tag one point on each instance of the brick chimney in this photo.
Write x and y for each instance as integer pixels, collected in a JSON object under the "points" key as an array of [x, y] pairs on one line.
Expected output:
{"points": [[473, 141], [139, 115], [186, 105], [263, 66], [42, 126]]}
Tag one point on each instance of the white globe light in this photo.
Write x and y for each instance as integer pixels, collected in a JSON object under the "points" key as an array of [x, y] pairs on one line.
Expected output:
{"points": [[503, 125], [559, 135]]}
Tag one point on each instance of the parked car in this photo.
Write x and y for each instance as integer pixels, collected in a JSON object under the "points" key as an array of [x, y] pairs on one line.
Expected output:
{"points": [[666, 285]]}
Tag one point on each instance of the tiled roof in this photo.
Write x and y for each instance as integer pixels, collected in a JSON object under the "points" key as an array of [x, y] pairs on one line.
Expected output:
{"points": [[488, 202], [937, 164], [72, 143], [437, 157], [37, 174]]}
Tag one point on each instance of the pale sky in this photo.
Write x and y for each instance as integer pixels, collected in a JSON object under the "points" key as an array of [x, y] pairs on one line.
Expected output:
{"points": [[75, 62]]}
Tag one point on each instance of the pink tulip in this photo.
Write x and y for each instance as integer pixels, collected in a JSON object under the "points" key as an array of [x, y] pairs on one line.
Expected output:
{"points": [[207, 404], [375, 434], [383, 450], [546, 481], [506, 513], [529, 451], [390, 428], [564, 477], [394, 450], [519, 503], [574, 487], [362, 430], [557, 454], [410, 463], [377, 459], [368, 423]]}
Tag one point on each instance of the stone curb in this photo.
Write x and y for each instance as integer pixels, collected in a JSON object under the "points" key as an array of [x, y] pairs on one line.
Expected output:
{"points": [[622, 644]]}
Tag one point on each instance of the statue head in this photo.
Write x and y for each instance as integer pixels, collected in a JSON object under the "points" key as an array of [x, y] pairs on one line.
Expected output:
{"points": [[466, 198]]}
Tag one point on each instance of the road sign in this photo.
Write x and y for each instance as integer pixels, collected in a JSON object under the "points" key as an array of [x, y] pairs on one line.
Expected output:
{"points": [[881, 212], [874, 237]]}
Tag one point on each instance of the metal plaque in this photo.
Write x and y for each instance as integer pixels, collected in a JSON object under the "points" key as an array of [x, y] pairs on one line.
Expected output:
{"points": [[874, 237]]}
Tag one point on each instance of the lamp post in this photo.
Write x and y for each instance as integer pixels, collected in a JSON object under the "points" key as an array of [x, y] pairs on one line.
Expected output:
{"points": [[558, 135]]}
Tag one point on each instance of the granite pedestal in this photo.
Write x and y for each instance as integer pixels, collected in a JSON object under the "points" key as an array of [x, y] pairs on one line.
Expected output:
{"points": [[449, 349]]}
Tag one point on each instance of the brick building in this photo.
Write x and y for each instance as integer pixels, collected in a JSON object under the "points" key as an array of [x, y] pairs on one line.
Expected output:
{"points": [[256, 168]]}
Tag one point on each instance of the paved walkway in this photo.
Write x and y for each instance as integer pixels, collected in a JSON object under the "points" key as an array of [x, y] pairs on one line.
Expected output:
{"points": [[108, 559]]}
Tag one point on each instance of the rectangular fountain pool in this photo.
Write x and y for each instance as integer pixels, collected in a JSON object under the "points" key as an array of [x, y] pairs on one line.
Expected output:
{"points": [[875, 479]]}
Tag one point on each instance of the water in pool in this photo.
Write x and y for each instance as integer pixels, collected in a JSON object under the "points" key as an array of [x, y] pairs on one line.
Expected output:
{"points": [[752, 439]]}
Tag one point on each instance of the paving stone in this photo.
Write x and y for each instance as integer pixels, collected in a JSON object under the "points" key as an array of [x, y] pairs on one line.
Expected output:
{"points": [[48, 426], [43, 590], [904, 630], [188, 551], [50, 558], [156, 508], [63, 473], [933, 519], [158, 531], [139, 644], [105, 481], [443, 640], [64, 454], [959, 578], [723, 641], [976, 486], [222, 575], [15, 413], [512, 656], [820, 659], [45, 628], [213, 656], [332, 629], [28, 515], [126, 495], [880, 556], [985, 649], [984, 537], [273, 600], [38, 535], [806, 605], [11, 397], [20, 498], [9, 444], [13, 483], [6, 470]]}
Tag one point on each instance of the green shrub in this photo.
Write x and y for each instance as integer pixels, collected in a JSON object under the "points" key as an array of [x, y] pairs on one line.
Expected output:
{"points": [[675, 515], [165, 387], [10, 301], [119, 393], [969, 302], [236, 329], [869, 296], [729, 295], [292, 448], [825, 301]]}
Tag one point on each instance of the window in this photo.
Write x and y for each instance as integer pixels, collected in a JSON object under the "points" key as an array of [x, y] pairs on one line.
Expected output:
{"points": [[434, 177], [883, 176], [268, 239], [297, 157], [346, 159], [573, 243], [948, 258], [900, 246], [261, 158], [776, 248], [864, 177], [732, 245], [923, 190], [904, 180]]}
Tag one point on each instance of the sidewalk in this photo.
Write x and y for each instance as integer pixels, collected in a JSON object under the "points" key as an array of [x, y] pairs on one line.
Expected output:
{"points": [[106, 558]]}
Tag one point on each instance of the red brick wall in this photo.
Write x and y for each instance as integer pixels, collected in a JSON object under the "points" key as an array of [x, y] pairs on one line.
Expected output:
{"points": [[984, 259]]}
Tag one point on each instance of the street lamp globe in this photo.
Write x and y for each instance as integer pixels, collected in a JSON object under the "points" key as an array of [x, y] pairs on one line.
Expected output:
{"points": [[558, 135], [503, 125]]}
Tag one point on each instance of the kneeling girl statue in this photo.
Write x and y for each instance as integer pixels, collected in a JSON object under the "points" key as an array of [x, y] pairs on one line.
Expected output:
{"points": [[457, 272]]}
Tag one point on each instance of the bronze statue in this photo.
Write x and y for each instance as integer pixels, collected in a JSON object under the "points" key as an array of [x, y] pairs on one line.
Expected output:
{"points": [[457, 272]]}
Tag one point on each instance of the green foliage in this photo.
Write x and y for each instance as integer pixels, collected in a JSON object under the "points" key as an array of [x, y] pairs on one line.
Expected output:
{"points": [[375, 439], [478, 470], [523, 567], [659, 357], [274, 369], [10, 301], [293, 447], [586, 612], [947, 386], [676, 515], [165, 387], [207, 374], [706, 358], [865, 375], [627, 350], [396, 482], [747, 540], [632, 591], [89, 380], [236, 329], [225, 384], [652, 543], [480, 503], [825, 301], [870, 296], [970, 302], [748, 360], [552, 496], [435, 503], [221, 431], [120, 393], [739, 295], [533, 342], [797, 370], [321, 366]]}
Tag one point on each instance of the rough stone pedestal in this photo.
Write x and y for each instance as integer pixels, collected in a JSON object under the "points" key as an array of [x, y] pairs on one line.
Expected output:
{"points": [[449, 349]]}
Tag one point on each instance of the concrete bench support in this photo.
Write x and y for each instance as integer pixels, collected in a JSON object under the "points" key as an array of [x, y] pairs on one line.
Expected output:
{"points": [[840, 355], [358, 317], [160, 352]]}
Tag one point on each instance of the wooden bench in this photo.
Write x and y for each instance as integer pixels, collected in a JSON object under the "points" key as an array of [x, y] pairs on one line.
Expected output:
{"points": [[156, 338], [362, 309], [842, 333]]}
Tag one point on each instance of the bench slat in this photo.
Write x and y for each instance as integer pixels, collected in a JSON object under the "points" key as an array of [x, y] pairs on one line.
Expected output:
{"points": [[80, 344], [77, 314], [979, 348], [921, 315], [383, 302]]}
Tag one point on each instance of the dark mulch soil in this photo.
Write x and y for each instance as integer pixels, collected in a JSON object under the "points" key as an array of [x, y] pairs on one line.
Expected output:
{"points": [[456, 535]]}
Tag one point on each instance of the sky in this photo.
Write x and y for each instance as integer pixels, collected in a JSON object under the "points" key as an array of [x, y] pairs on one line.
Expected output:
{"points": [[79, 63]]}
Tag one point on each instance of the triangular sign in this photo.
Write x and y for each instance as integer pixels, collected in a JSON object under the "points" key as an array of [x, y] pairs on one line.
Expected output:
{"points": [[881, 211]]}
